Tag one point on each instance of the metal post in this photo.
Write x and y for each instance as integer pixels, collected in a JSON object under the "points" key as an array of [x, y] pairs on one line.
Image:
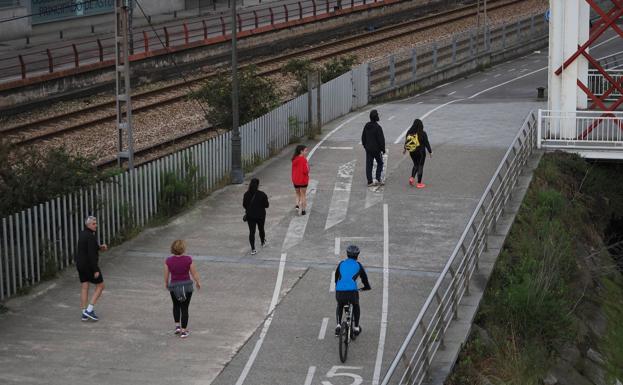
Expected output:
{"points": [[236, 150], [122, 65], [130, 29], [319, 103], [310, 109]]}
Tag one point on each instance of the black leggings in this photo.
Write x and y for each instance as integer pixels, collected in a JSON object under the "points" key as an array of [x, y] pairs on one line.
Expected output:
{"points": [[181, 309], [343, 298], [418, 159], [252, 222]]}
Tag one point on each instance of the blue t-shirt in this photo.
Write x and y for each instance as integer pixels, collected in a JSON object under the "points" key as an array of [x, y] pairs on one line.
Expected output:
{"points": [[347, 273]]}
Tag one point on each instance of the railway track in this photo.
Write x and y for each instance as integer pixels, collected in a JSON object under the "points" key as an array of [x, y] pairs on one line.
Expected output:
{"points": [[53, 126]]}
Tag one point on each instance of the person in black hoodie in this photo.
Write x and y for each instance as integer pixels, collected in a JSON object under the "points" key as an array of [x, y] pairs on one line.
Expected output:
{"points": [[87, 264], [373, 141], [255, 203], [416, 142]]}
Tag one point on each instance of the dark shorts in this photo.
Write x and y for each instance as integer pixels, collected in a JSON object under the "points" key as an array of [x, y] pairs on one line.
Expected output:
{"points": [[344, 297], [86, 275], [300, 186]]}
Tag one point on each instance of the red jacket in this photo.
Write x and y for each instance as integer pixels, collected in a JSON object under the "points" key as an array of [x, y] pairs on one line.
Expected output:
{"points": [[300, 171]]}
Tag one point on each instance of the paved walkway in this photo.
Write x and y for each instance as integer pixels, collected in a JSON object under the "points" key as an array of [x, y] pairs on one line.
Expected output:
{"points": [[406, 236]]}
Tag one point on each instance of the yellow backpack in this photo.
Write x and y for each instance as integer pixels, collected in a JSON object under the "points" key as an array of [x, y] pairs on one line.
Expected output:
{"points": [[412, 143]]}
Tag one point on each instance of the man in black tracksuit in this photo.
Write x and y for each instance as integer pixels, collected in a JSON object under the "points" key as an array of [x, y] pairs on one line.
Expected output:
{"points": [[87, 259], [373, 141]]}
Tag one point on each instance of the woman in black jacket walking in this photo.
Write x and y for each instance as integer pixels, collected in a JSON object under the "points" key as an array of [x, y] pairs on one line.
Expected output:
{"points": [[373, 141], [255, 203], [416, 142]]}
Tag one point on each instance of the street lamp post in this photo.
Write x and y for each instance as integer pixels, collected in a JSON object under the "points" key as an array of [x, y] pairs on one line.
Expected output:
{"points": [[236, 150]]}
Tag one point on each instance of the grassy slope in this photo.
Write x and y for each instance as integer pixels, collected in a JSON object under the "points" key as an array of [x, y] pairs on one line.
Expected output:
{"points": [[551, 273]]}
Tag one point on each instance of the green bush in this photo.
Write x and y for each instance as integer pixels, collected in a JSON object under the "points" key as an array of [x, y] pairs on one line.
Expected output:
{"points": [[176, 192], [31, 176], [332, 69], [256, 97]]}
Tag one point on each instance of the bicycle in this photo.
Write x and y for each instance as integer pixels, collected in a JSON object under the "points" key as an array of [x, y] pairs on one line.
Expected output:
{"points": [[346, 331]]}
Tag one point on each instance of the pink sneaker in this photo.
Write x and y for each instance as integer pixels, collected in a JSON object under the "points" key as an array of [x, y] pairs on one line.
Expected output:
{"points": [[420, 185], [411, 180]]}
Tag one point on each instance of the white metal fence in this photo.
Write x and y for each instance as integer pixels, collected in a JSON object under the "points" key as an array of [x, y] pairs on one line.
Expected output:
{"points": [[581, 130], [43, 238], [600, 86], [410, 65], [412, 362]]}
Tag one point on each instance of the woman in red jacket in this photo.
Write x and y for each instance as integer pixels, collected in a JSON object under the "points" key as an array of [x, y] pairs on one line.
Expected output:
{"points": [[300, 176]]}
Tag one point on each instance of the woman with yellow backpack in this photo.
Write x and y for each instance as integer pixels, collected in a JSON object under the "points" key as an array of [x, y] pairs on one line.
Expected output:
{"points": [[416, 142]]}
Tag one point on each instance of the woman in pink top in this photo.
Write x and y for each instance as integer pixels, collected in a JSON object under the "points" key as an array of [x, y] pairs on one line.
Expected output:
{"points": [[177, 271]]}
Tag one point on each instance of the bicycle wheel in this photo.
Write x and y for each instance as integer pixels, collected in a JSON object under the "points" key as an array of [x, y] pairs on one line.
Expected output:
{"points": [[343, 341]]}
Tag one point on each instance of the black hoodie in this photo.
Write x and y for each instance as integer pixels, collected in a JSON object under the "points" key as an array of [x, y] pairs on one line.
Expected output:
{"points": [[372, 138]]}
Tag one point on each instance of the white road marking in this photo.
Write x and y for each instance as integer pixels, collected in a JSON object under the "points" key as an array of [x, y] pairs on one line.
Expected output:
{"points": [[296, 229], [323, 328], [468, 86], [336, 248], [269, 320], [512, 69], [374, 195], [452, 93], [484, 80], [332, 282], [506, 82], [310, 375], [401, 136], [313, 150], [379, 352], [335, 148], [391, 117], [497, 75], [341, 194]]}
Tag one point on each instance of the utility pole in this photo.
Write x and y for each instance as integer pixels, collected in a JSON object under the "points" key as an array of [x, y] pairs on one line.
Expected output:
{"points": [[130, 29], [236, 148], [123, 89]]}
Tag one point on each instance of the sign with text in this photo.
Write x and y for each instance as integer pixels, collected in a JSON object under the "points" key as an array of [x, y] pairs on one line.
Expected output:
{"points": [[44, 11]]}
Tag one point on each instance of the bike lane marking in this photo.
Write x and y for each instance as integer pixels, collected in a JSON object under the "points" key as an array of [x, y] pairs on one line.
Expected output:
{"points": [[298, 224], [269, 320], [338, 208], [310, 375], [383, 332], [323, 328]]}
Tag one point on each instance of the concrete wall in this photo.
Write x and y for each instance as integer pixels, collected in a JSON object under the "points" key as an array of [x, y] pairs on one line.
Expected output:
{"points": [[16, 28]]}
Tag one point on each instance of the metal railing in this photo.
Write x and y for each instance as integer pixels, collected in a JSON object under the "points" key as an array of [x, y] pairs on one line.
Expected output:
{"points": [[600, 86], [159, 40], [589, 130], [613, 61], [441, 307], [410, 65], [43, 238]]}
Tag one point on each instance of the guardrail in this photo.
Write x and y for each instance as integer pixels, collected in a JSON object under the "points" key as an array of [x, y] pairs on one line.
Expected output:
{"points": [[580, 130], [163, 38], [600, 86], [441, 307], [411, 65], [43, 238], [613, 61]]}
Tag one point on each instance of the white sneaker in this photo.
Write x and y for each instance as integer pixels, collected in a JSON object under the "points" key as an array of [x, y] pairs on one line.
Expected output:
{"points": [[253, 252], [265, 243]]}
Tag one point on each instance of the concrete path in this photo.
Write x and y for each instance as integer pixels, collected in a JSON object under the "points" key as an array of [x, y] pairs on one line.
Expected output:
{"points": [[268, 318]]}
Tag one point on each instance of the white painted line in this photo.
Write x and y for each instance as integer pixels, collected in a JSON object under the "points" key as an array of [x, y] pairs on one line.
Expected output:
{"points": [[384, 312], [323, 328], [512, 69], [374, 195], [506, 82], [313, 150], [391, 117], [400, 138], [468, 86], [497, 75], [337, 244], [341, 194], [484, 80], [332, 282], [310, 375], [335, 148], [420, 102], [298, 224], [452, 93], [269, 320]]}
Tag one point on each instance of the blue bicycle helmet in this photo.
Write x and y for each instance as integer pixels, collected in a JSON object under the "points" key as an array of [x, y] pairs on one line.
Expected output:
{"points": [[352, 251]]}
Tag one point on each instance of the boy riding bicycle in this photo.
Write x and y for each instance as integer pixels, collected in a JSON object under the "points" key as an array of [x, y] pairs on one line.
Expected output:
{"points": [[346, 290]]}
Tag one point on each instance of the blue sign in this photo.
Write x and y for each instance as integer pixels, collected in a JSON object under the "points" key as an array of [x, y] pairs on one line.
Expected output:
{"points": [[44, 11]]}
